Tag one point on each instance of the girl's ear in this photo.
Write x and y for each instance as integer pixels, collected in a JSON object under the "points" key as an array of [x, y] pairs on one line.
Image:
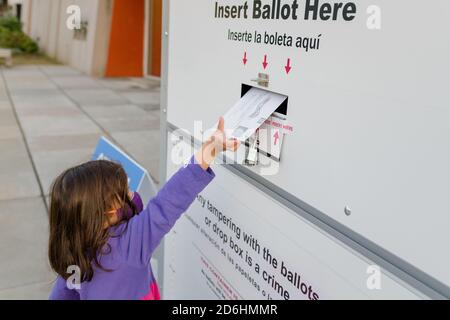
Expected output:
{"points": [[112, 218], [111, 212]]}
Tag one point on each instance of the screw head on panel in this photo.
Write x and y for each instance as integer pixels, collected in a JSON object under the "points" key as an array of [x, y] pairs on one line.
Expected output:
{"points": [[347, 211]]}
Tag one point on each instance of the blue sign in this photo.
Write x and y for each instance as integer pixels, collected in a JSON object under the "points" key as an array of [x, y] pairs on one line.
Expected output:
{"points": [[106, 150]]}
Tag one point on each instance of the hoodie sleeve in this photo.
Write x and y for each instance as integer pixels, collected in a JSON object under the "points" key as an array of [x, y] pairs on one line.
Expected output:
{"points": [[144, 232]]}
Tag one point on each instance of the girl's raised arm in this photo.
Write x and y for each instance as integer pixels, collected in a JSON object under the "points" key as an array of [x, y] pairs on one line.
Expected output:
{"points": [[146, 230]]}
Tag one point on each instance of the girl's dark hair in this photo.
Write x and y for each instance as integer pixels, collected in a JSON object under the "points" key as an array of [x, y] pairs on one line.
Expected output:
{"points": [[80, 198]]}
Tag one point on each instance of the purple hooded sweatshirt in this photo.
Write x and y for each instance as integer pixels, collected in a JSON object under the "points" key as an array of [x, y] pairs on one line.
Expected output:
{"points": [[132, 244]]}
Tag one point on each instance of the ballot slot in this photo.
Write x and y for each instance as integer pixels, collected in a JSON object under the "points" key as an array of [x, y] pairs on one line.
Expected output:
{"points": [[282, 109], [268, 140]]}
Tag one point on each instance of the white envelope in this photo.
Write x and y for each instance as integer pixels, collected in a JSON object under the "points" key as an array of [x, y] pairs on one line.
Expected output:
{"points": [[250, 112]]}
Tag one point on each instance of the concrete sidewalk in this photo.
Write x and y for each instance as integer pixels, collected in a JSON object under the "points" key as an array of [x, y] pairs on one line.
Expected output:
{"points": [[51, 118]]}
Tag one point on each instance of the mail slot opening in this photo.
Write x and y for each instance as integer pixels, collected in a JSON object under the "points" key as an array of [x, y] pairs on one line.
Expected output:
{"points": [[269, 138], [282, 109]]}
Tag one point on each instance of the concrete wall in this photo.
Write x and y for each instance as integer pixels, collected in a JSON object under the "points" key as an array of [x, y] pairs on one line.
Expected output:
{"points": [[115, 44], [47, 25], [13, 4], [101, 46], [41, 20]]}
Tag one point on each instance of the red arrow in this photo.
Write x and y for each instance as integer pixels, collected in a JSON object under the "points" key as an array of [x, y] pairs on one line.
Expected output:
{"points": [[277, 137], [245, 58], [288, 66], [265, 63]]}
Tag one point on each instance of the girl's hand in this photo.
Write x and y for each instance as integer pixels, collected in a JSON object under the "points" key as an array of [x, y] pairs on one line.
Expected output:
{"points": [[217, 143]]}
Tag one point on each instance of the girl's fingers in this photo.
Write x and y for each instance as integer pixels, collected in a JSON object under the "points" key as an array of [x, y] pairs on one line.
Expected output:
{"points": [[221, 126], [221, 139]]}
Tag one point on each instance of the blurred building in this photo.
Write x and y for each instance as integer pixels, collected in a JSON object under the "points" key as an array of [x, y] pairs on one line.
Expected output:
{"points": [[11, 6], [118, 38]]}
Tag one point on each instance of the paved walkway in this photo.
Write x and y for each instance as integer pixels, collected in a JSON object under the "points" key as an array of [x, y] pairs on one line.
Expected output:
{"points": [[51, 117]]}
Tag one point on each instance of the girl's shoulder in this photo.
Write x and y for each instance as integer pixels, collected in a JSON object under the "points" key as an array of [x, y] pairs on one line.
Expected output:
{"points": [[117, 231]]}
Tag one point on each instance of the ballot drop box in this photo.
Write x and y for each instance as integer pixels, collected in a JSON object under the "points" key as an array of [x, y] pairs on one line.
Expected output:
{"points": [[343, 191]]}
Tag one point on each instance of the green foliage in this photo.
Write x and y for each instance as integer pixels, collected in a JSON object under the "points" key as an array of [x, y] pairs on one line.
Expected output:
{"points": [[27, 44], [11, 23], [12, 36]]}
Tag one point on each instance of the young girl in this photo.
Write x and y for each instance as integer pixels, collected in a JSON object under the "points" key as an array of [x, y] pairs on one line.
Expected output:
{"points": [[95, 227]]}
